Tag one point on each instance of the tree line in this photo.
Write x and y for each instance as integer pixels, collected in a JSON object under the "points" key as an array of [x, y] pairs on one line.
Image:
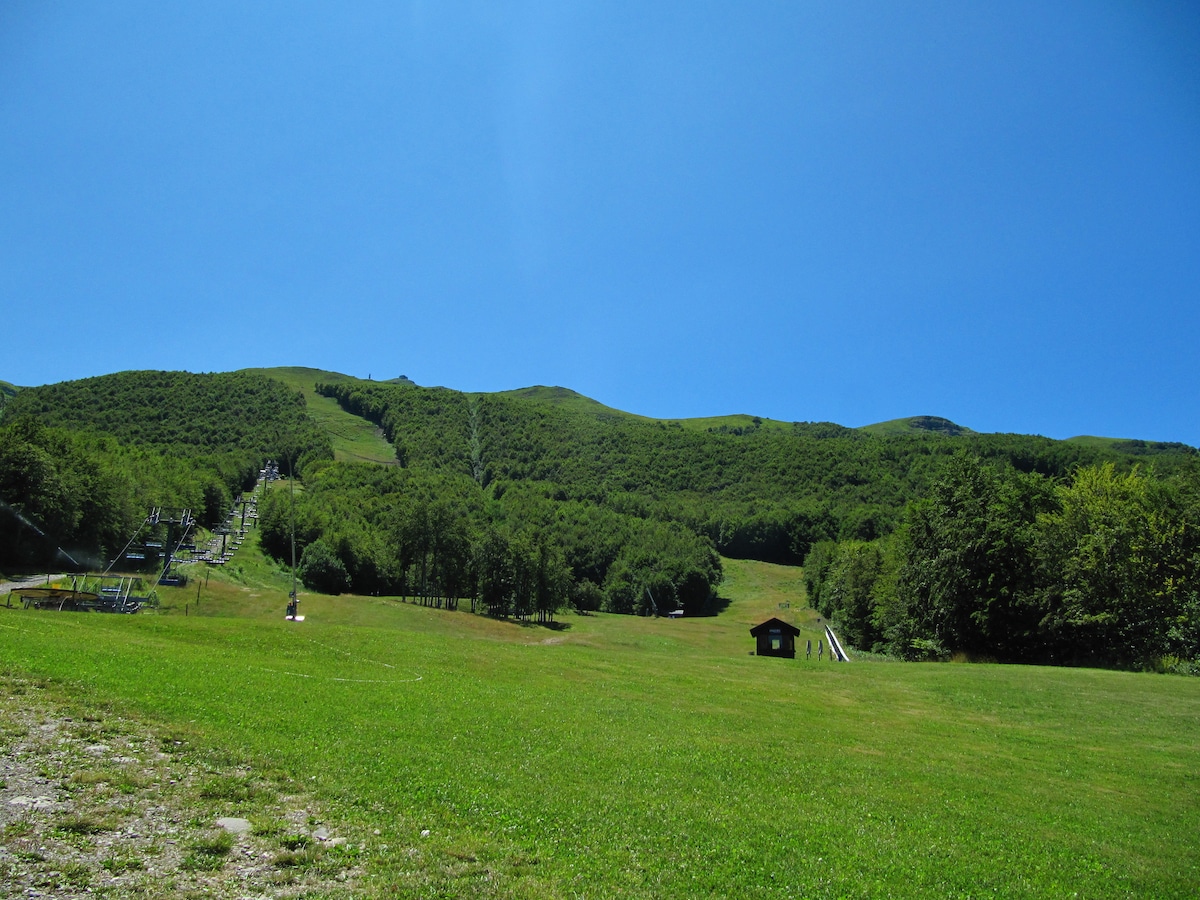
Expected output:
{"points": [[1099, 567], [82, 462], [439, 538]]}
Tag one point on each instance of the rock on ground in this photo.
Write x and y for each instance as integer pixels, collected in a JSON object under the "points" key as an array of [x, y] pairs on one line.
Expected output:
{"points": [[98, 805]]}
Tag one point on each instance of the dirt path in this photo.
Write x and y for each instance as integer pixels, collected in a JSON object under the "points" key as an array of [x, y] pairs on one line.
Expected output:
{"points": [[32, 581], [94, 804]]}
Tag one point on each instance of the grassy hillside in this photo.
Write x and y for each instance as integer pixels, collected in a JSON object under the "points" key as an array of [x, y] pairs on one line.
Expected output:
{"points": [[623, 757], [82, 462], [254, 586]]}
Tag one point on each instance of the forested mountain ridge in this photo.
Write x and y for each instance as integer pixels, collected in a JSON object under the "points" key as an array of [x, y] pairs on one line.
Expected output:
{"points": [[82, 461], [525, 500], [191, 414], [920, 541], [765, 489], [755, 487]]}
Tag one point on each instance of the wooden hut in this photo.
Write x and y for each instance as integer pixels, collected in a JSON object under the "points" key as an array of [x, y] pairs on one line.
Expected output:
{"points": [[776, 638]]}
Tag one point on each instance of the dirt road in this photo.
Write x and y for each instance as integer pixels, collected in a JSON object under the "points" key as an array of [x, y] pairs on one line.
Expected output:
{"points": [[31, 581]]}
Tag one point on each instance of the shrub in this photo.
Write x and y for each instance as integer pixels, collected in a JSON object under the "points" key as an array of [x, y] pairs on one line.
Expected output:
{"points": [[321, 570]]}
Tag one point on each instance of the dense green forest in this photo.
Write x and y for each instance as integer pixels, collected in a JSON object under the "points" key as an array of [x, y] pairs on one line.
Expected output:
{"points": [[245, 417], [757, 492], [1100, 567], [921, 538], [438, 537], [81, 462]]}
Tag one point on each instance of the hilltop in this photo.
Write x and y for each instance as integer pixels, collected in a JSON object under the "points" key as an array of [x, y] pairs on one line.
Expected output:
{"points": [[934, 424]]}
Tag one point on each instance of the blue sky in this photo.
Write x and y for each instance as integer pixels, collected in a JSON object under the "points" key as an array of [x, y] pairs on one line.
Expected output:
{"points": [[809, 211]]}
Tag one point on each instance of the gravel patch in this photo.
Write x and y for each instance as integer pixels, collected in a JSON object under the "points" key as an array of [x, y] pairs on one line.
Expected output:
{"points": [[105, 806]]}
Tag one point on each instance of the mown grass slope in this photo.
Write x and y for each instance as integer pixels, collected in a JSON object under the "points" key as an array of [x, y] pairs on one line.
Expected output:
{"points": [[616, 756]]}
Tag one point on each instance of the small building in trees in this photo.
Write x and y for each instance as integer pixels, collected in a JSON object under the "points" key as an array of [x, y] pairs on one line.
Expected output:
{"points": [[776, 638]]}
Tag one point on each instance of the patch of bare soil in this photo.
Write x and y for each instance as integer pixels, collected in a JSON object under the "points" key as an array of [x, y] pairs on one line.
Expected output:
{"points": [[98, 805]]}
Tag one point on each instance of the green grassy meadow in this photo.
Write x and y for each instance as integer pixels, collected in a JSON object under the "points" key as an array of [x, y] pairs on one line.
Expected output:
{"points": [[620, 757]]}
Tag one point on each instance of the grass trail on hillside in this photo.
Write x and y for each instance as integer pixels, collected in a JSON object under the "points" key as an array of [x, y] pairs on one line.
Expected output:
{"points": [[354, 439]]}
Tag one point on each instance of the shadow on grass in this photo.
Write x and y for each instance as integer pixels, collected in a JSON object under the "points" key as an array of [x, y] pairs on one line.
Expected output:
{"points": [[551, 626]]}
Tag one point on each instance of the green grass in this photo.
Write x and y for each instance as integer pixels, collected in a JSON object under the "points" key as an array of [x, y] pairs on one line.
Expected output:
{"points": [[118, 865], [208, 854], [654, 758], [83, 825], [253, 586]]}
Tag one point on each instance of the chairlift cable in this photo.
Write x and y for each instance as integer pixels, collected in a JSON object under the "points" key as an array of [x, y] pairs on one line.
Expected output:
{"points": [[127, 546]]}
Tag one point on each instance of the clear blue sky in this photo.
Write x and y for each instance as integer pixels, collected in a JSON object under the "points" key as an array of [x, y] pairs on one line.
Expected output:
{"points": [[804, 210]]}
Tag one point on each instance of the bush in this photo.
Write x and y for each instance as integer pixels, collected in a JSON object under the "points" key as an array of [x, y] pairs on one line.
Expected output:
{"points": [[586, 596], [321, 570]]}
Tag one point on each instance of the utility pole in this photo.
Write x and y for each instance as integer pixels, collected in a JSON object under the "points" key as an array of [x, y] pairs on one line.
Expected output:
{"points": [[292, 491]]}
